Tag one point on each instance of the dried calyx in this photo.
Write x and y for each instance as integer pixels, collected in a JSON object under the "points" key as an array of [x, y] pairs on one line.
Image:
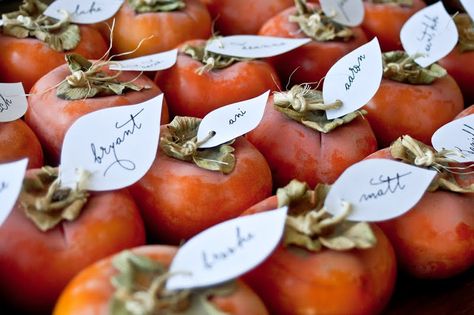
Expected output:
{"points": [[402, 3], [399, 66], [180, 141], [140, 290], [150, 6], [29, 21], [310, 226], [210, 60], [305, 105], [87, 79], [417, 153], [46, 203], [465, 28], [316, 25]]}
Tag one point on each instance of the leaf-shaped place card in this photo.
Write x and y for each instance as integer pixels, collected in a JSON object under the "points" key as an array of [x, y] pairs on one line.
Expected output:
{"points": [[227, 250], [354, 79], [154, 62], [84, 11], [430, 33], [11, 178], [116, 145], [458, 135], [469, 7], [345, 12], [254, 46], [13, 103], [378, 189], [231, 121]]}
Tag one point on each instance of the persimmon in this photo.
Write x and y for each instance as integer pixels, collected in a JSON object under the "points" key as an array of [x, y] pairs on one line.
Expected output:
{"points": [[26, 59], [40, 253], [384, 20], [310, 63], [91, 291], [195, 86], [51, 112], [161, 25], [295, 280], [305, 151], [434, 239], [178, 199], [18, 141], [412, 100]]}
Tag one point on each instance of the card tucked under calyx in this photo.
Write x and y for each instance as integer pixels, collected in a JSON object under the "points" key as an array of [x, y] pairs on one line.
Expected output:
{"points": [[13, 103], [227, 250], [345, 12], [231, 121], [11, 179], [254, 46], [469, 7], [154, 62], [430, 33], [378, 189], [116, 145], [458, 137], [84, 11], [354, 79]]}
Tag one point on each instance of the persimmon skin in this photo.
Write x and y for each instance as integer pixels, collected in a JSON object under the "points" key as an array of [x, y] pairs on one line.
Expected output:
{"points": [[435, 239], [169, 29], [191, 94], [35, 266], [233, 18], [293, 281], [385, 22], [90, 291], [417, 110], [179, 199], [27, 60], [295, 151], [18, 141], [459, 66], [50, 116], [311, 62]]}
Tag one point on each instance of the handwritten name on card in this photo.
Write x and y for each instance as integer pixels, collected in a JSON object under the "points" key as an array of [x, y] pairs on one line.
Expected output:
{"points": [[458, 135], [379, 189], [84, 11], [155, 62], [117, 145], [13, 103], [345, 12], [354, 79], [11, 179], [227, 250], [254, 46], [430, 33]]}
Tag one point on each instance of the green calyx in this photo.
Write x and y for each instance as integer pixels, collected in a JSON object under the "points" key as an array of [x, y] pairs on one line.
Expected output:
{"points": [[179, 141], [465, 28], [402, 3], [399, 66], [310, 226], [29, 21], [306, 106], [88, 80], [316, 25], [140, 290], [150, 6]]}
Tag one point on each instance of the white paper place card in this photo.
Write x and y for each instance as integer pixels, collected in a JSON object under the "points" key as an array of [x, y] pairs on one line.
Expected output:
{"points": [[458, 135], [254, 46], [345, 12], [469, 7], [227, 250], [232, 121], [13, 103], [116, 145], [354, 79], [155, 62], [11, 179], [84, 11], [431, 33], [378, 189]]}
